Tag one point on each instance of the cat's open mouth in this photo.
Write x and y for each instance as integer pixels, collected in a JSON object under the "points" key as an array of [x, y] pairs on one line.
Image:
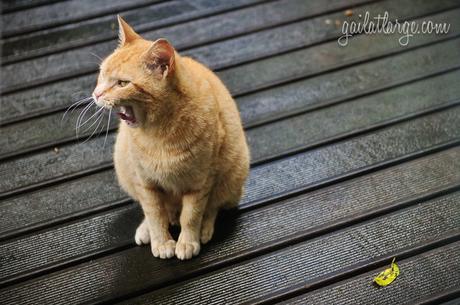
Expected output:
{"points": [[126, 113]]}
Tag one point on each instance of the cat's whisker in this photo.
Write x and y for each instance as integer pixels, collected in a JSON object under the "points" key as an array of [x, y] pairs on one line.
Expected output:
{"points": [[94, 122], [98, 119], [102, 129], [108, 124], [81, 116], [97, 56], [73, 106], [92, 62], [94, 114], [81, 92], [84, 112], [88, 100]]}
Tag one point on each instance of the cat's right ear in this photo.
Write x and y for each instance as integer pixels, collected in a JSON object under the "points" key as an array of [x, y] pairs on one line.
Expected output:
{"points": [[160, 58], [126, 33]]}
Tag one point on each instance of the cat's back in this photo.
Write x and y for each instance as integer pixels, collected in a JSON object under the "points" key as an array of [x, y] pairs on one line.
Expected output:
{"points": [[228, 111], [234, 148]]}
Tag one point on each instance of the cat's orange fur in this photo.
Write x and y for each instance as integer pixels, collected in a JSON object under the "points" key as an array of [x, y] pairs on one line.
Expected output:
{"points": [[187, 156]]}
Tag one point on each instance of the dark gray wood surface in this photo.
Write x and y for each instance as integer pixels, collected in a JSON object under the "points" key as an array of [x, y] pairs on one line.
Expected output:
{"points": [[355, 156]]}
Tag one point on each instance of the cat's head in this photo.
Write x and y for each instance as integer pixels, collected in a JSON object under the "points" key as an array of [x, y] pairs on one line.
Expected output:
{"points": [[136, 78]]}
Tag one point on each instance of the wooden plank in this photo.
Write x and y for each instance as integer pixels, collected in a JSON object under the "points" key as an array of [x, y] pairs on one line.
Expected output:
{"points": [[347, 83], [302, 264], [70, 203], [16, 5], [397, 187], [59, 13], [347, 118], [45, 167], [240, 80], [218, 55], [283, 68], [73, 62], [364, 244], [244, 16], [375, 109], [73, 240], [270, 177], [74, 198], [225, 25], [454, 299], [387, 184], [392, 143], [422, 277]]}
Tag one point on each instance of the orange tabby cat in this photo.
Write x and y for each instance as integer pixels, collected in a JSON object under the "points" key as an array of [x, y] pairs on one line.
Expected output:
{"points": [[180, 150]]}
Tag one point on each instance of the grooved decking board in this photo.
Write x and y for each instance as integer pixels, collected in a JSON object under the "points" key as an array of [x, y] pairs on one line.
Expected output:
{"points": [[405, 138], [15, 5], [358, 114], [455, 301], [220, 54], [59, 13], [182, 36], [306, 261], [432, 172], [422, 276], [354, 156], [73, 240], [280, 177], [347, 83], [65, 198], [270, 71], [108, 277], [225, 24], [242, 79], [396, 186], [355, 115]]}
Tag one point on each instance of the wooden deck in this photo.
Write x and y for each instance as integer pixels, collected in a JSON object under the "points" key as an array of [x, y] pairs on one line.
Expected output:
{"points": [[355, 156]]}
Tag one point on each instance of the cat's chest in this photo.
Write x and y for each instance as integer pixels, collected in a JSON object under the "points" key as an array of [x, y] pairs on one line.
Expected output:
{"points": [[166, 169], [158, 161]]}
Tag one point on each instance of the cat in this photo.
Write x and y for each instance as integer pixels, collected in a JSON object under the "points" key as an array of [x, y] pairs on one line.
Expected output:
{"points": [[180, 150]]}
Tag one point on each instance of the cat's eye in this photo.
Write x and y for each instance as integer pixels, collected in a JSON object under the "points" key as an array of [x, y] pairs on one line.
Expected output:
{"points": [[122, 83]]}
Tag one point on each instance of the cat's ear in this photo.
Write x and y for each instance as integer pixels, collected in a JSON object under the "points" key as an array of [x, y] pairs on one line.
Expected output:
{"points": [[160, 57], [126, 33]]}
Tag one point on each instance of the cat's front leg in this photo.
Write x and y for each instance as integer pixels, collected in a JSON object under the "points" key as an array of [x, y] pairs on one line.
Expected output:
{"points": [[193, 208], [157, 222], [142, 236]]}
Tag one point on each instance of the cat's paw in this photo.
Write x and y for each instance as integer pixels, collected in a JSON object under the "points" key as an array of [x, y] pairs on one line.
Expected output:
{"points": [[163, 249], [206, 232], [142, 236], [186, 250]]}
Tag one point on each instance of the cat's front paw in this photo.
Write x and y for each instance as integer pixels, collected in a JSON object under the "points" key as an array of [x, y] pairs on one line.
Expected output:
{"points": [[163, 249], [142, 236], [187, 249]]}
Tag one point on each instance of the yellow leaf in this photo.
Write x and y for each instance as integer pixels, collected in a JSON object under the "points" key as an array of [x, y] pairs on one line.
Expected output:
{"points": [[387, 276]]}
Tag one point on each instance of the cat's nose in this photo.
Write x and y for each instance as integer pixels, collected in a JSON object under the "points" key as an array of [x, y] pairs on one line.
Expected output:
{"points": [[97, 94]]}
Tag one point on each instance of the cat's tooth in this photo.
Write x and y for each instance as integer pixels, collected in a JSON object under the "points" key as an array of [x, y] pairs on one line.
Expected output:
{"points": [[123, 109]]}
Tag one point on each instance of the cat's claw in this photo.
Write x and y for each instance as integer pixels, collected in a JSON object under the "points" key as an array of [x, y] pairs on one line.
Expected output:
{"points": [[163, 249], [142, 236], [186, 250]]}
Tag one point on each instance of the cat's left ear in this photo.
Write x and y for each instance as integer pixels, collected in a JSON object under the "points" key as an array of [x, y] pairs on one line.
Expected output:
{"points": [[160, 58], [126, 33]]}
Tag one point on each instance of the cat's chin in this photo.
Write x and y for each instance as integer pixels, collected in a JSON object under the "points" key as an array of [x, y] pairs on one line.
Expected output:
{"points": [[126, 114]]}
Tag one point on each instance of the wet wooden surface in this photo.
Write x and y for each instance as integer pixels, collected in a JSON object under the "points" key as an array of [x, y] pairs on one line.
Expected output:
{"points": [[355, 156]]}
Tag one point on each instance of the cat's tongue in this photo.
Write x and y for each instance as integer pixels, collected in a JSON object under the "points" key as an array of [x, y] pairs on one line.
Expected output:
{"points": [[126, 113]]}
